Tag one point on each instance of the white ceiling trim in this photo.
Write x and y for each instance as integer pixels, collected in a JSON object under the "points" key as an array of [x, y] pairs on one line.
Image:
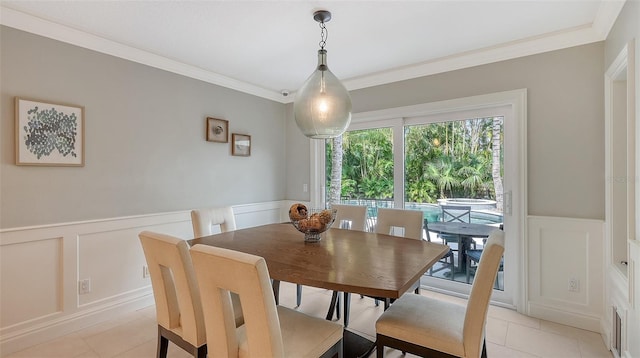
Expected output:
{"points": [[606, 17], [607, 14]]}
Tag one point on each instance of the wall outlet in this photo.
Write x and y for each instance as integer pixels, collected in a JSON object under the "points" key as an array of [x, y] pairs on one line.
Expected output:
{"points": [[305, 188], [84, 286], [574, 285], [145, 271]]}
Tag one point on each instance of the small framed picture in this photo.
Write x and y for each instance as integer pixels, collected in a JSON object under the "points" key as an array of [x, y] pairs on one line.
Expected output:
{"points": [[217, 130], [49, 134], [241, 145]]}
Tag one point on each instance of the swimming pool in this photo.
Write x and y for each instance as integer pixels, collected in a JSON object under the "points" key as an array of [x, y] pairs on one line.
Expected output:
{"points": [[479, 215], [432, 213]]}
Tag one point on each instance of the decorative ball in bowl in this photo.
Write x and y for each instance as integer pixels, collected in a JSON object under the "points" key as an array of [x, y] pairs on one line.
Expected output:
{"points": [[312, 222]]}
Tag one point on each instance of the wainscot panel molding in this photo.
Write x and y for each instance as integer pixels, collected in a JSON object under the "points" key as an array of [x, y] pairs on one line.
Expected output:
{"points": [[560, 251], [41, 269], [623, 299]]}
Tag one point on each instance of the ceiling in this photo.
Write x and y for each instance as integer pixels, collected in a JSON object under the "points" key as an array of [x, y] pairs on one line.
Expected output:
{"points": [[265, 47]]}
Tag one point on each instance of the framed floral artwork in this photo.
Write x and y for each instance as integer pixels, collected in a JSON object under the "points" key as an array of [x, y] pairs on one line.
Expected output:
{"points": [[49, 134], [217, 130], [241, 145]]}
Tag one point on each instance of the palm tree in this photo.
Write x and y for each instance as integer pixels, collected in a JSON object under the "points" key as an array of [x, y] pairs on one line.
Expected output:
{"points": [[496, 156], [335, 188]]}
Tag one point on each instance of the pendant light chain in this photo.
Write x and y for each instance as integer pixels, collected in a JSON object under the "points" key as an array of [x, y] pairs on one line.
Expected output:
{"points": [[324, 33]]}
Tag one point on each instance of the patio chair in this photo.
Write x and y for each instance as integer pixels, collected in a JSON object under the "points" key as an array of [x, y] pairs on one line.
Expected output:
{"points": [[443, 260], [430, 327], [269, 330], [455, 213], [474, 256]]}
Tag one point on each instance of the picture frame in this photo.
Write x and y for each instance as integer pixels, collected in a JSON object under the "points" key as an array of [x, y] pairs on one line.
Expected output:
{"points": [[217, 130], [241, 145], [48, 133]]}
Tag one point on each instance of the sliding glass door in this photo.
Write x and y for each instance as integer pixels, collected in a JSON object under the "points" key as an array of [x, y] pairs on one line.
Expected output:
{"points": [[472, 157]]}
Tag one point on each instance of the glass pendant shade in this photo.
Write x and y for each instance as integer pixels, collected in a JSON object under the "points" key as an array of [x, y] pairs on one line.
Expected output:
{"points": [[322, 106]]}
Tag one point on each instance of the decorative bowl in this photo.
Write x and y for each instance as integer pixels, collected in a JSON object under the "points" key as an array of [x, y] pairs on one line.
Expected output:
{"points": [[317, 222]]}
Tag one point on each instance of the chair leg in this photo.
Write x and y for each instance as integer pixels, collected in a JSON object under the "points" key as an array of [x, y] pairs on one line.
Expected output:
{"points": [[163, 345], [347, 303], [276, 290], [201, 352], [298, 295], [334, 306], [453, 267]]}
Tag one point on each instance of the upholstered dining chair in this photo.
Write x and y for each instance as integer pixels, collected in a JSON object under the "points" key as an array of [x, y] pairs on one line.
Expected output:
{"points": [[390, 220], [402, 223], [269, 330], [430, 327], [351, 217], [206, 220], [175, 290]]}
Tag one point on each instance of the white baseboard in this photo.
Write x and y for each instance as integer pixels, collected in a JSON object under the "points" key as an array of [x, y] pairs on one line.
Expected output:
{"points": [[573, 319]]}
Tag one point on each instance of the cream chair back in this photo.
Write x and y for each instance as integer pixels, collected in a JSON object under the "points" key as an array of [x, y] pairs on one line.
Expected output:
{"points": [[205, 220], [478, 304], [175, 289], [351, 217], [246, 275], [410, 220]]}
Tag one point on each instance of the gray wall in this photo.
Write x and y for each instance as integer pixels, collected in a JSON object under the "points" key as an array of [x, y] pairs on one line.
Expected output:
{"points": [[145, 138], [565, 122]]}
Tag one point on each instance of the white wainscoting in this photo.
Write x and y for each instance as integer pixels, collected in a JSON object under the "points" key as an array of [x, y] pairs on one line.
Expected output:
{"points": [[40, 268], [560, 249]]}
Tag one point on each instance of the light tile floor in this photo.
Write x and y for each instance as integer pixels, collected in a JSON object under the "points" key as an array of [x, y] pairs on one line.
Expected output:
{"points": [[509, 334]]}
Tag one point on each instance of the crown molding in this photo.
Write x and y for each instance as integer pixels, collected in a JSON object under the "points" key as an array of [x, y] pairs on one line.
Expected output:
{"points": [[597, 31], [605, 18], [549, 42]]}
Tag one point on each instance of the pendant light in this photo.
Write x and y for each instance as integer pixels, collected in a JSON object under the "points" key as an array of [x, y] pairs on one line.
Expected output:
{"points": [[322, 106]]}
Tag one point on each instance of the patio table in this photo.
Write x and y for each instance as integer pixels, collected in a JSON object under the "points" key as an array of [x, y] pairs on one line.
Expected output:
{"points": [[465, 232]]}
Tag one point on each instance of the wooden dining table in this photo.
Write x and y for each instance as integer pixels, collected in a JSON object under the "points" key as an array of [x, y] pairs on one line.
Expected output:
{"points": [[343, 260]]}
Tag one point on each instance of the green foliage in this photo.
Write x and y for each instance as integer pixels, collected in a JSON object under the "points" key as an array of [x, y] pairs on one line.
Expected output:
{"points": [[451, 159]]}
